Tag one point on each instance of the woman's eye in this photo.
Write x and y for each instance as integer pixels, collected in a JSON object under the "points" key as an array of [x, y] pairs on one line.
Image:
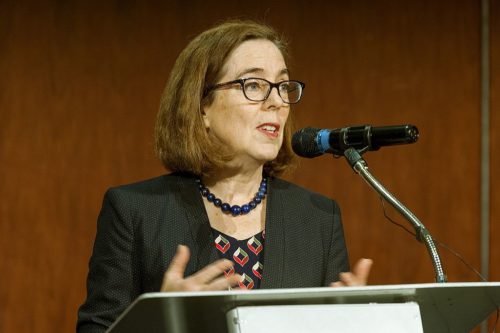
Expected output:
{"points": [[253, 86], [285, 87]]}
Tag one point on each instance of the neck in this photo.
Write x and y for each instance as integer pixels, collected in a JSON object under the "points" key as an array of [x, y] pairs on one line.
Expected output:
{"points": [[233, 186]]}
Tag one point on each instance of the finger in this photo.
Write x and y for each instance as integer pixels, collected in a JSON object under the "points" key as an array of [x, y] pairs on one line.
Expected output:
{"points": [[360, 274], [179, 262], [337, 284], [362, 270], [224, 283], [239, 288], [212, 271], [348, 279]]}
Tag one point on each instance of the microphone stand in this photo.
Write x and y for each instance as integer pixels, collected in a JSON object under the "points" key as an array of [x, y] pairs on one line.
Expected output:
{"points": [[360, 166]]}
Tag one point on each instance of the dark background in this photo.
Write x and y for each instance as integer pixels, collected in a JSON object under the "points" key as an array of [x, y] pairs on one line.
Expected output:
{"points": [[80, 83]]}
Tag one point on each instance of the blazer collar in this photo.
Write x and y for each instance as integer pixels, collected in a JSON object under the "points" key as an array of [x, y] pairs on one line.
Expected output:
{"points": [[274, 245], [203, 249]]}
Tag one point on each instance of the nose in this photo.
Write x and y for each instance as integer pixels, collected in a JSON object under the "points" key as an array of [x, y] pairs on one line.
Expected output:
{"points": [[274, 99]]}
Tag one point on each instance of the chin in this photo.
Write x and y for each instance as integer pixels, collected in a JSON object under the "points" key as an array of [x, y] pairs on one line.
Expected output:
{"points": [[264, 153], [268, 156]]}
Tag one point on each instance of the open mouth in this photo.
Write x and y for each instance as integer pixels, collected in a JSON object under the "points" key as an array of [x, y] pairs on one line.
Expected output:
{"points": [[271, 130]]}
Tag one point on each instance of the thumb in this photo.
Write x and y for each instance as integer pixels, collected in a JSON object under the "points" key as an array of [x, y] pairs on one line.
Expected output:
{"points": [[362, 269], [179, 262]]}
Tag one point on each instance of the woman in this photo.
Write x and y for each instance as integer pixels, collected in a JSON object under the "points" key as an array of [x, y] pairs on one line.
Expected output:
{"points": [[223, 129]]}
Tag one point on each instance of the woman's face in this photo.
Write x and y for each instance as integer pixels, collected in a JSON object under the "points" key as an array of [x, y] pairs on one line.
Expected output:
{"points": [[252, 130]]}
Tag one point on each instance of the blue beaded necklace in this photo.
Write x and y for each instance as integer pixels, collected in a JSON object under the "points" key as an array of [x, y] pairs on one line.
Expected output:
{"points": [[234, 210]]}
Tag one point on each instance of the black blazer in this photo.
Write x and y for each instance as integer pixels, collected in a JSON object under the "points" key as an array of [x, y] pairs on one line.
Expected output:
{"points": [[140, 226]]}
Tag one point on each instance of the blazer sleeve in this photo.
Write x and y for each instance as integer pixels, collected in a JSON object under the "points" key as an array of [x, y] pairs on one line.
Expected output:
{"points": [[338, 259], [112, 282]]}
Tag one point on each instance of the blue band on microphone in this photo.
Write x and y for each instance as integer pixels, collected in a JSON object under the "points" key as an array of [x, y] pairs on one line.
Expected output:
{"points": [[322, 140]]}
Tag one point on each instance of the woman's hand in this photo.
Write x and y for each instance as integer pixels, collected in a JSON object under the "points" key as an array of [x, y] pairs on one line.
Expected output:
{"points": [[358, 276], [210, 277]]}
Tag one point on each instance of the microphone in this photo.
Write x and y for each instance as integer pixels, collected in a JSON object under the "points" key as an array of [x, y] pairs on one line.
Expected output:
{"points": [[311, 142]]}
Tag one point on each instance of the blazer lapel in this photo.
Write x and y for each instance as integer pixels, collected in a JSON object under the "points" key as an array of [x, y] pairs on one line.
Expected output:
{"points": [[272, 275], [202, 249]]}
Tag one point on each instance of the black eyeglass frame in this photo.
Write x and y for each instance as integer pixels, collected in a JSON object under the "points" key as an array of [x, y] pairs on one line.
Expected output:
{"points": [[272, 85]]}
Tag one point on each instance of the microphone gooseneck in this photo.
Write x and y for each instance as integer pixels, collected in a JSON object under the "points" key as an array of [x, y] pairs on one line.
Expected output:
{"points": [[360, 166]]}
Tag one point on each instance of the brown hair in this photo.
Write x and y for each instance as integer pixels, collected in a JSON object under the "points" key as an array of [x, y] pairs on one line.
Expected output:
{"points": [[181, 140]]}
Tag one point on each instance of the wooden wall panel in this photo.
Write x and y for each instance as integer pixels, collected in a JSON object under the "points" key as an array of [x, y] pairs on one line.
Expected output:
{"points": [[80, 84]]}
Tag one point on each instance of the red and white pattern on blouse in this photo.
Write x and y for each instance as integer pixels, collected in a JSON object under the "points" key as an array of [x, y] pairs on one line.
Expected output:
{"points": [[247, 256]]}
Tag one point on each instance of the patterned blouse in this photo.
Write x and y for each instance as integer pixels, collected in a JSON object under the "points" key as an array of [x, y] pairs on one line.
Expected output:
{"points": [[247, 256]]}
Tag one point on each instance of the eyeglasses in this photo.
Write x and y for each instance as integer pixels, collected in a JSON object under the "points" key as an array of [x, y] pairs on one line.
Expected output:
{"points": [[258, 90]]}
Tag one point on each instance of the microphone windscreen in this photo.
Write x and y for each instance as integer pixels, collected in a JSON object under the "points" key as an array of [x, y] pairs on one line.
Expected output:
{"points": [[304, 142]]}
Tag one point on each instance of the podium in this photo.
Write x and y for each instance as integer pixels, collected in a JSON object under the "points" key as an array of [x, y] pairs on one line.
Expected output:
{"points": [[436, 307]]}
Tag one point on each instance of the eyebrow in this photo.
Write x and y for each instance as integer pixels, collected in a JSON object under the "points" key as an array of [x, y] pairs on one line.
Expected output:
{"points": [[257, 70]]}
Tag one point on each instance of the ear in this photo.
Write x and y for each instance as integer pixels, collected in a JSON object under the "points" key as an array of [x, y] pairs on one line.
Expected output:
{"points": [[205, 117]]}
